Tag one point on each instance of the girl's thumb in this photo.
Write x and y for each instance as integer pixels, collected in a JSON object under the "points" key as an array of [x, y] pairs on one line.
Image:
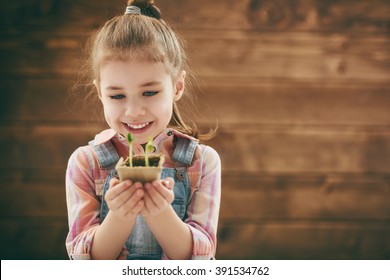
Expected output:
{"points": [[114, 182], [168, 183]]}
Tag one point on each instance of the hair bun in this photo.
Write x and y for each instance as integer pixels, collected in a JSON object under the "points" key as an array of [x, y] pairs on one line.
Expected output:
{"points": [[147, 8]]}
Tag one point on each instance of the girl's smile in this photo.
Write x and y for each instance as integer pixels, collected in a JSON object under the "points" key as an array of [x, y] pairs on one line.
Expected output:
{"points": [[138, 128]]}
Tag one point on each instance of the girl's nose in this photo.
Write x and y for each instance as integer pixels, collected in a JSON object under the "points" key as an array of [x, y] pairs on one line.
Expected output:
{"points": [[135, 109]]}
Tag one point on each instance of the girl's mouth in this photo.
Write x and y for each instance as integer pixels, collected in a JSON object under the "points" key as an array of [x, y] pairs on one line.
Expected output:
{"points": [[137, 127]]}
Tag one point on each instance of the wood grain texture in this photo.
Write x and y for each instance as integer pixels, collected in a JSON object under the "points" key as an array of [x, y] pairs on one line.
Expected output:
{"points": [[303, 240], [260, 15], [300, 90], [303, 150], [45, 238], [296, 56]]}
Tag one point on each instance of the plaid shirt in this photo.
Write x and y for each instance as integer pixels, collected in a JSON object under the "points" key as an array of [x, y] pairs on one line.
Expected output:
{"points": [[84, 186]]}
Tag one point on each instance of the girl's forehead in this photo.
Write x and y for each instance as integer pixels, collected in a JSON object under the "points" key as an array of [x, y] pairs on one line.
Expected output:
{"points": [[130, 61], [133, 71], [134, 64], [140, 67]]}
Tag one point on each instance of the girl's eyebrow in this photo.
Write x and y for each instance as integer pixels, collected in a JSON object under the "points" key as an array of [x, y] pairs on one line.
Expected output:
{"points": [[153, 83], [148, 84], [114, 88]]}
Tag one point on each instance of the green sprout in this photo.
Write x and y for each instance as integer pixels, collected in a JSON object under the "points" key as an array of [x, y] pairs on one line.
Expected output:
{"points": [[149, 148], [130, 139]]}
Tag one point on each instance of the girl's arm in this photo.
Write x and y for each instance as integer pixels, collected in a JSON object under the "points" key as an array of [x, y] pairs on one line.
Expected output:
{"points": [[171, 232], [194, 238], [84, 203], [110, 237], [203, 209], [125, 202]]}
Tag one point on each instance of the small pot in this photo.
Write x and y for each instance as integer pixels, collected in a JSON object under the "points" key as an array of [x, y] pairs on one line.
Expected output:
{"points": [[139, 172]]}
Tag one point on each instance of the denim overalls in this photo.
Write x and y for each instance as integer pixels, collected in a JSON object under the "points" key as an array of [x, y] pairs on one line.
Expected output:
{"points": [[141, 243]]}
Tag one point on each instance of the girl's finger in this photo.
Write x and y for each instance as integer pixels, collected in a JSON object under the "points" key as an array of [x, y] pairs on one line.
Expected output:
{"points": [[154, 194], [133, 202], [128, 197], [149, 202], [137, 208], [114, 182], [168, 183], [149, 205], [164, 188], [116, 188]]}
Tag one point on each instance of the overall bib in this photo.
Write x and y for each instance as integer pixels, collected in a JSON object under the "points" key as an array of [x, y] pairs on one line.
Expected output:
{"points": [[141, 243]]}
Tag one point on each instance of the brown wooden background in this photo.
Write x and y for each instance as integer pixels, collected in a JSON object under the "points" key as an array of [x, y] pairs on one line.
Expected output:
{"points": [[301, 90]]}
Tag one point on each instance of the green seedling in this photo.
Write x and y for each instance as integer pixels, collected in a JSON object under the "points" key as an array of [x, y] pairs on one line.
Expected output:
{"points": [[149, 148], [130, 139]]}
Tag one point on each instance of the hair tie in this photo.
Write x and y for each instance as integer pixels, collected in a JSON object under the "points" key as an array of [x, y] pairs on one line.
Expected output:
{"points": [[132, 10]]}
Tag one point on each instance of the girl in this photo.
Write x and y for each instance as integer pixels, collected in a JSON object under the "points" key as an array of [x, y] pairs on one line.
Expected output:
{"points": [[137, 65]]}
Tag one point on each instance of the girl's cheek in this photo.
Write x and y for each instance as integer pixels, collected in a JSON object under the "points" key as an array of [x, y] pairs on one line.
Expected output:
{"points": [[112, 111]]}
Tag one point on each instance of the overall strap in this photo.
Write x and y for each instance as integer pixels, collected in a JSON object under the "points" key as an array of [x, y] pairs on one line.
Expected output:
{"points": [[184, 151], [107, 157], [183, 154], [106, 154]]}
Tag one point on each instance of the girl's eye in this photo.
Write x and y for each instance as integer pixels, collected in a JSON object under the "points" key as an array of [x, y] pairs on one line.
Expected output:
{"points": [[117, 96], [150, 93]]}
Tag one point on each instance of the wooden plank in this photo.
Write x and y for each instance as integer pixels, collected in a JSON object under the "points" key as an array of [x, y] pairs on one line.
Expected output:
{"points": [[268, 102], [287, 103], [34, 100], [42, 146], [48, 14], [37, 176], [277, 149], [32, 200], [250, 55], [38, 64], [319, 15], [297, 56], [291, 150], [307, 15], [304, 240], [46, 100], [33, 239], [329, 197]]}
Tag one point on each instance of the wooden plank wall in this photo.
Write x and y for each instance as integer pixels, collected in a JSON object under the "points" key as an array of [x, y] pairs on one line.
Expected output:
{"points": [[301, 91]]}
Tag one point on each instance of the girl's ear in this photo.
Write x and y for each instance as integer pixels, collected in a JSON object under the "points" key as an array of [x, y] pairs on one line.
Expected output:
{"points": [[180, 85], [97, 88]]}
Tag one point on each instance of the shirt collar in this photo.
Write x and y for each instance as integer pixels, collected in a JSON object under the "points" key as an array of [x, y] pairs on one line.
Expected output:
{"points": [[104, 136], [109, 134]]}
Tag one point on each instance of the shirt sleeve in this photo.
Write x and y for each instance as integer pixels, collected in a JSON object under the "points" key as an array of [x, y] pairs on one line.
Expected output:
{"points": [[83, 204], [203, 210]]}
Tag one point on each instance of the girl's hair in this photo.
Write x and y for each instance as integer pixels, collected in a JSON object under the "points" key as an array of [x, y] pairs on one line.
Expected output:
{"points": [[148, 37]]}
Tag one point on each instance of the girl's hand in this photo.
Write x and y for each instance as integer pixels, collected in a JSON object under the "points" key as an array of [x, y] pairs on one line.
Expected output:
{"points": [[125, 199], [158, 196]]}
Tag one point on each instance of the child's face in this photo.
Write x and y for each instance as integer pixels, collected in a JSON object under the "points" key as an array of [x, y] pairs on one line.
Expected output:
{"points": [[138, 97]]}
